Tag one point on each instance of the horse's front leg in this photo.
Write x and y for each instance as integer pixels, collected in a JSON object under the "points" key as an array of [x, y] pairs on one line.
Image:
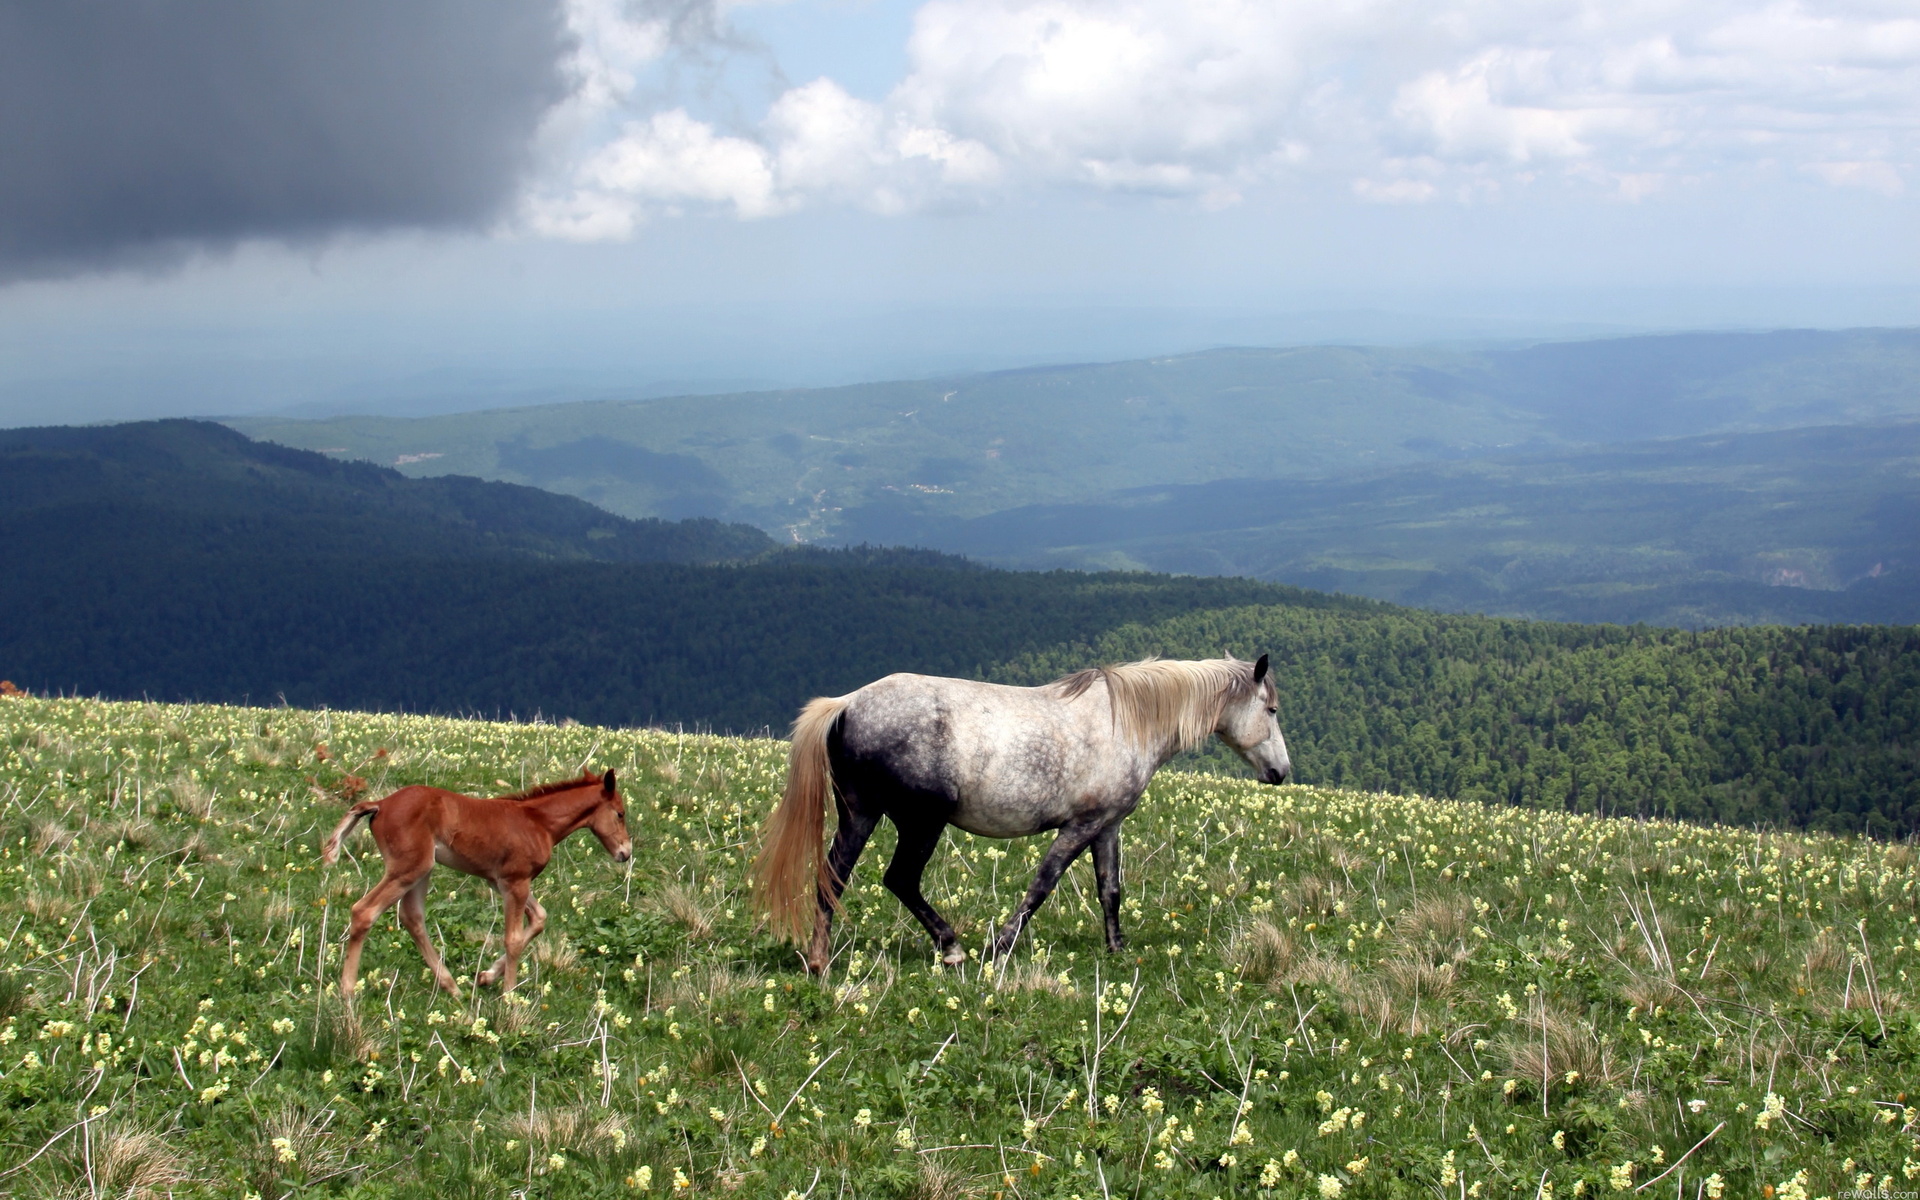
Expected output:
{"points": [[513, 892], [1106, 875], [1066, 847]]}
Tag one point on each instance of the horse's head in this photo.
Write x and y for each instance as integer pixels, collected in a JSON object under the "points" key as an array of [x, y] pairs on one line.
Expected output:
{"points": [[1250, 723], [609, 820]]}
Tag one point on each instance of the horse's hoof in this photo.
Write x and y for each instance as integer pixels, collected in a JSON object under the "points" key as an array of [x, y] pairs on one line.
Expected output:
{"points": [[954, 957], [484, 979]]}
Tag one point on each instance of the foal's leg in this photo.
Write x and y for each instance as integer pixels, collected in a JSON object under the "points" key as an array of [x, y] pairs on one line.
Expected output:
{"points": [[1106, 873], [537, 917], [514, 894], [366, 910], [1066, 847], [413, 914], [910, 855], [849, 839]]}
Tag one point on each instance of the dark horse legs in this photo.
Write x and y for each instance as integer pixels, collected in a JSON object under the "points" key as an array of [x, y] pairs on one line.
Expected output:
{"points": [[915, 847], [917, 842], [849, 839], [918, 839], [1106, 873], [1066, 847]]}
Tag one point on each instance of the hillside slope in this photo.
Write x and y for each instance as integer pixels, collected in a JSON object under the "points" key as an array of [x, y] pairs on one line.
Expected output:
{"points": [[1326, 993]]}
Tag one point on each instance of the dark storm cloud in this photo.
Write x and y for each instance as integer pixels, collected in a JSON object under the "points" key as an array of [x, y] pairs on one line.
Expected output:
{"points": [[135, 130]]}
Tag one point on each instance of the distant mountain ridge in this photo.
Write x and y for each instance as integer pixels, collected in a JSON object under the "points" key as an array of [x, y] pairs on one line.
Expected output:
{"points": [[920, 461], [180, 478]]}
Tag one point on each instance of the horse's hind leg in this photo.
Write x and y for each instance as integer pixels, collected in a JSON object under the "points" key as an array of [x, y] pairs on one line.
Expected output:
{"points": [[910, 857], [849, 839], [1106, 874], [366, 910], [413, 914], [1066, 847]]}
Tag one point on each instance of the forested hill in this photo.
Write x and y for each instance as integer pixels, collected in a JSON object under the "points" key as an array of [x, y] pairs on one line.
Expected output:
{"points": [[1814, 727], [148, 591], [156, 487]]}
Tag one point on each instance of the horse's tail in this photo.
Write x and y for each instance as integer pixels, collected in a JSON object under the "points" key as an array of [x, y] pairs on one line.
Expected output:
{"points": [[363, 811], [791, 871]]}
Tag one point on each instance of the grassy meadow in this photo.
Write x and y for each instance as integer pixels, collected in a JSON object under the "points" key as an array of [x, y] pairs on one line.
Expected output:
{"points": [[1326, 994]]}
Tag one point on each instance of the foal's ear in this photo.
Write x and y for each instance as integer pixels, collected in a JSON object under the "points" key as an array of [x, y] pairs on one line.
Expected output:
{"points": [[1260, 669], [606, 782]]}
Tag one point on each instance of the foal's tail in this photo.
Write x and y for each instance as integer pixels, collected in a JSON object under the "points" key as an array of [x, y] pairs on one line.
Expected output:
{"points": [[363, 811], [791, 871]]}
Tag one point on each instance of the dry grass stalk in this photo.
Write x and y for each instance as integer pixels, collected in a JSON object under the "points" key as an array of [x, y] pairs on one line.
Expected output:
{"points": [[937, 1181], [705, 985], [581, 1129], [1558, 1051], [554, 952], [1648, 992], [50, 835], [1314, 896], [132, 832], [316, 1152], [1420, 979], [1032, 976], [1827, 953], [1324, 970], [134, 1162], [684, 906], [1263, 952], [191, 796], [49, 906]]}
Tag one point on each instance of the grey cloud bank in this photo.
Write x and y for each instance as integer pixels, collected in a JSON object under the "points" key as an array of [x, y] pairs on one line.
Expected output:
{"points": [[133, 132]]}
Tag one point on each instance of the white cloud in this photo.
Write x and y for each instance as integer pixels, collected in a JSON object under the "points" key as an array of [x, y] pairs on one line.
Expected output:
{"points": [[1394, 101]]}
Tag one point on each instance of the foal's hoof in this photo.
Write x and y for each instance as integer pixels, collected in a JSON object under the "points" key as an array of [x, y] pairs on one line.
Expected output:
{"points": [[485, 978], [954, 956]]}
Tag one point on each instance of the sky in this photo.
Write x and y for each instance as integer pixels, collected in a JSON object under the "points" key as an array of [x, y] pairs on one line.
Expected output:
{"points": [[224, 207]]}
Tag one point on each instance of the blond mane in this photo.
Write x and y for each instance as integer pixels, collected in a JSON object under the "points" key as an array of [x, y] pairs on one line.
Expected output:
{"points": [[1156, 697]]}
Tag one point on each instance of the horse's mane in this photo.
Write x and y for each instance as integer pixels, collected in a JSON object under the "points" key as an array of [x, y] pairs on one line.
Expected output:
{"points": [[1154, 697], [588, 779]]}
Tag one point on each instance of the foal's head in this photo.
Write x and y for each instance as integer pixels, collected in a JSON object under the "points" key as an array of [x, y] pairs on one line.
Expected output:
{"points": [[1250, 723], [609, 820]]}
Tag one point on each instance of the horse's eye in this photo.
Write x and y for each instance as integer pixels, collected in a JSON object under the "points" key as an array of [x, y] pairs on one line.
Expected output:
{"points": [[1273, 712]]}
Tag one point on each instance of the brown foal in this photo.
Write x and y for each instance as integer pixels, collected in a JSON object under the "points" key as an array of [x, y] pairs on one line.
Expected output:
{"points": [[506, 841]]}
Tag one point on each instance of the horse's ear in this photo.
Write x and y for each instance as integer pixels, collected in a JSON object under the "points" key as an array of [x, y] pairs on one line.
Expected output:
{"points": [[606, 782], [1260, 669]]}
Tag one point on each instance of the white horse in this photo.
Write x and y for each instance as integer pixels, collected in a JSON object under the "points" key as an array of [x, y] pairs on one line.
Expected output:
{"points": [[924, 751]]}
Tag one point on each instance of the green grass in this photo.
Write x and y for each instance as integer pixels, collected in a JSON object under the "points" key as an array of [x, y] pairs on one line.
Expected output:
{"points": [[1299, 957]]}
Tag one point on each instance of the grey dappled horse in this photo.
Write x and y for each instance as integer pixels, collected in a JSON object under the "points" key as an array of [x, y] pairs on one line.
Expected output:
{"points": [[1072, 755]]}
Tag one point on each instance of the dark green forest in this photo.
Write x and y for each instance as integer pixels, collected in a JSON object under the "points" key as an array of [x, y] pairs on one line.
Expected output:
{"points": [[138, 566], [1768, 725]]}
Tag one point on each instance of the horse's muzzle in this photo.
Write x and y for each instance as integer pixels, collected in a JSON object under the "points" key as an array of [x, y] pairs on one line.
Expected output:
{"points": [[1276, 774], [623, 854]]}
